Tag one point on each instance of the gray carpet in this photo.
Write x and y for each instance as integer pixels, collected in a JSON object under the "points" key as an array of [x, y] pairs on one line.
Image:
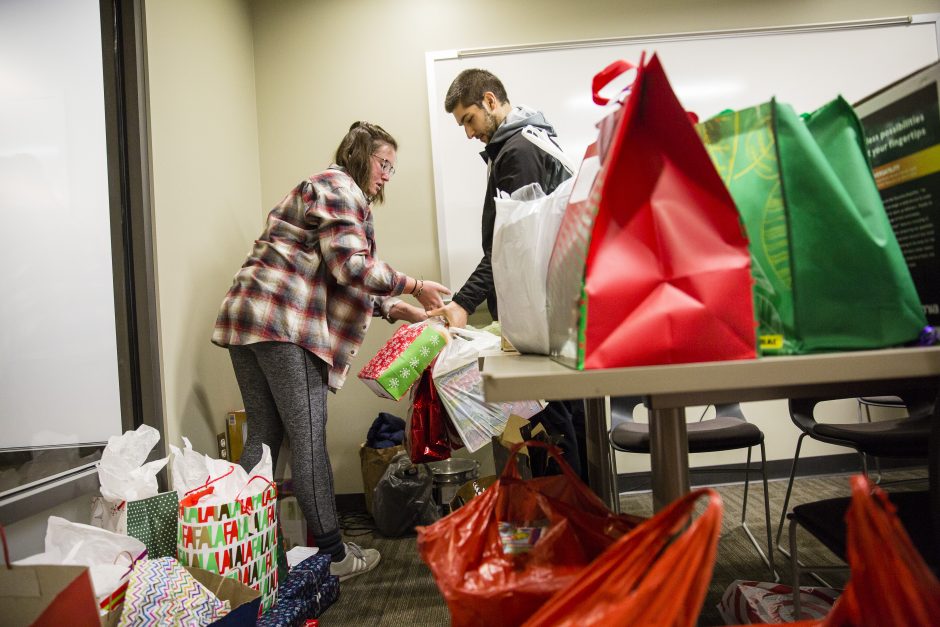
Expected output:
{"points": [[401, 591]]}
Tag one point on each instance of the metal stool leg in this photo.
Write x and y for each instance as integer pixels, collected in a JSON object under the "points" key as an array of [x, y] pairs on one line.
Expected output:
{"points": [[794, 571], [786, 499], [768, 559]]}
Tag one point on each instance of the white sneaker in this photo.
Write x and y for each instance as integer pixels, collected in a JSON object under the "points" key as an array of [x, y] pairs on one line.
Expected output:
{"points": [[357, 561]]}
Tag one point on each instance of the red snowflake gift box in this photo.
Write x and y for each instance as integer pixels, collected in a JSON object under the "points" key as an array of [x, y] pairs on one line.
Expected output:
{"points": [[399, 364]]}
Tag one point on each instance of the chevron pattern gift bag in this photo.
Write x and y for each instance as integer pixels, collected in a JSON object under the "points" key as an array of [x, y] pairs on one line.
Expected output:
{"points": [[161, 592]]}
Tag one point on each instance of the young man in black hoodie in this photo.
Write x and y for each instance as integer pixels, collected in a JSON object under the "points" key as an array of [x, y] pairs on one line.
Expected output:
{"points": [[478, 102]]}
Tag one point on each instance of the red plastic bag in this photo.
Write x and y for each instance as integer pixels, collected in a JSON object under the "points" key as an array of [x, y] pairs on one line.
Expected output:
{"points": [[651, 263], [498, 558], [890, 582], [657, 574], [428, 437]]}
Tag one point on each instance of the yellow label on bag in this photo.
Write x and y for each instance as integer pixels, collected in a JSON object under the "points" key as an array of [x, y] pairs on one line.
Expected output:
{"points": [[771, 342]]}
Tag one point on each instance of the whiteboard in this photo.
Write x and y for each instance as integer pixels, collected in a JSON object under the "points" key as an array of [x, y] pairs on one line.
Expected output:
{"points": [[805, 66], [58, 341]]}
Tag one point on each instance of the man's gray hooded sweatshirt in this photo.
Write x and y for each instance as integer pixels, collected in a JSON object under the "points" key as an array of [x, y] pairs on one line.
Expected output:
{"points": [[513, 162]]}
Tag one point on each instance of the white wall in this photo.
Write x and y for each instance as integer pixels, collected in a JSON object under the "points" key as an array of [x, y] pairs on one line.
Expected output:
{"points": [[249, 97], [206, 196]]}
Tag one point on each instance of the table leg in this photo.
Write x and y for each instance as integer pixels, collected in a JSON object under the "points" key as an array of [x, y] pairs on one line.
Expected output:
{"points": [[669, 449], [598, 450]]}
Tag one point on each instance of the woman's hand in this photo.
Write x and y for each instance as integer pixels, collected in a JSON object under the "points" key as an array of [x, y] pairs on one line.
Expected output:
{"points": [[430, 293], [409, 313]]}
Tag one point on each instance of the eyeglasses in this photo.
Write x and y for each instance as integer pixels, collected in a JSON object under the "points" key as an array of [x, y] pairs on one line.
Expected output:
{"points": [[387, 166]]}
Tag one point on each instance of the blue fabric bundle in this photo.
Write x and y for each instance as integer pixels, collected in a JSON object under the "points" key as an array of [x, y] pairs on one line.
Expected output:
{"points": [[386, 431]]}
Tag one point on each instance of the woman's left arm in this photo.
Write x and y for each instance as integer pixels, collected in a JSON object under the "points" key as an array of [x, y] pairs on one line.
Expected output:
{"points": [[341, 216]]}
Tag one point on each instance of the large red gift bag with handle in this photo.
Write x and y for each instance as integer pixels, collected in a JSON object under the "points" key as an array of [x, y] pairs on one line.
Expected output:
{"points": [[498, 558], [651, 262]]}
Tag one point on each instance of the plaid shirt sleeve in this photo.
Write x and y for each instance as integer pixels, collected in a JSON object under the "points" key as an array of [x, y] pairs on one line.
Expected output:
{"points": [[346, 241]]}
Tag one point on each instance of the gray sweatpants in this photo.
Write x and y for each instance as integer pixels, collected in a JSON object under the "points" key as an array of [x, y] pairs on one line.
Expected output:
{"points": [[284, 388]]}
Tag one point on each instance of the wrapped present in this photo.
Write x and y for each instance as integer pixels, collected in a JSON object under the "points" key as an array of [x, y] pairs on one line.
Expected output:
{"points": [[399, 364], [325, 587], [306, 593], [286, 613], [758, 602]]}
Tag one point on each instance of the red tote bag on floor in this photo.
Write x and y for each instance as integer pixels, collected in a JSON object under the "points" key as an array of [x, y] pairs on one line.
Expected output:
{"points": [[498, 558], [651, 263]]}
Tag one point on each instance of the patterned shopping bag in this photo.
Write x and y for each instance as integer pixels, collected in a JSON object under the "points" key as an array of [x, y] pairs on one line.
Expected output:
{"points": [[153, 521], [234, 539], [161, 592]]}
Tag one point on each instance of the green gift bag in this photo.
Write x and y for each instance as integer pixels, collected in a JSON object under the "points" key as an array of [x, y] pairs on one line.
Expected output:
{"points": [[153, 521], [828, 271]]}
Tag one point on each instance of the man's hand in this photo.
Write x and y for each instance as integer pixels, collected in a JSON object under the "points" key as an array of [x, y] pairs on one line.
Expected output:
{"points": [[455, 315]]}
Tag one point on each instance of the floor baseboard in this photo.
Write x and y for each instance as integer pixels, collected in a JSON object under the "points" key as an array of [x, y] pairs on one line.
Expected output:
{"points": [[712, 475]]}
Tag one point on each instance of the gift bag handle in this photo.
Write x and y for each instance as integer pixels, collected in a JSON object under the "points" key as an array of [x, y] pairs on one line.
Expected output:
{"points": [[252, 478], [511, 470], [603, 78], [189, 499]]}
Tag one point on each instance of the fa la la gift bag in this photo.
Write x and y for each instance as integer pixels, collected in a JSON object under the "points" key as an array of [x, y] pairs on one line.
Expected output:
{"points": [[651, 263], [829, 273], [234, 536]]}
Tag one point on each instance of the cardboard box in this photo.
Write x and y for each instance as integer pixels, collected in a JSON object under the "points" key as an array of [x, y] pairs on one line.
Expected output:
{"points": [[902, 129], [398, 365], [236, 432]]}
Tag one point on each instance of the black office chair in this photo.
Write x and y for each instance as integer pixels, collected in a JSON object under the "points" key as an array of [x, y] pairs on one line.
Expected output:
{"points": [[728, 430], [904, 438], [825, 520], [865, 403]]}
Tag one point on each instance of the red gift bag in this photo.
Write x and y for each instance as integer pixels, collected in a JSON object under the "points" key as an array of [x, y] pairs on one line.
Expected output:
{"points": [[651, 263], [498, 558], [429, 439]]}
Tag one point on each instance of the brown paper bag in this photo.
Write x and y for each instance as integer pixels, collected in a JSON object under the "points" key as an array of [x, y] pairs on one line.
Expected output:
{"points": [[374, 461], [47, 595]]}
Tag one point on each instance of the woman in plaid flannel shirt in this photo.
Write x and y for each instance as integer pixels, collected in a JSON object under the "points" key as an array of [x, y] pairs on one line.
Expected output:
{"points": [[297, 312]]}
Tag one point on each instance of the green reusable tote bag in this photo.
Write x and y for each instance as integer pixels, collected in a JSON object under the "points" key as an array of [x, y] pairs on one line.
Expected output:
{"points": [[828, 271]]}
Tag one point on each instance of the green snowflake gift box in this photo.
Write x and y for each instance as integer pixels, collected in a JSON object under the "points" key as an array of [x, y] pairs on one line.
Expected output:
{"points": [[399, 364]]}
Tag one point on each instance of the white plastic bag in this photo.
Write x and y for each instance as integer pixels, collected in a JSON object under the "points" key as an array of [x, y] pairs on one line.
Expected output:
{"points": [[456, 376], [524, 235]]}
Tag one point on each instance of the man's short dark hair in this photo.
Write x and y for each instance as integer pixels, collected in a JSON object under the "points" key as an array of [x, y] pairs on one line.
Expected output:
{"points": [[470, 85]]}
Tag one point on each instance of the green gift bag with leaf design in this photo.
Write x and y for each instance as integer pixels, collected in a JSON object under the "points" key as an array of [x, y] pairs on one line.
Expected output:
{"points": [[829, 274]]}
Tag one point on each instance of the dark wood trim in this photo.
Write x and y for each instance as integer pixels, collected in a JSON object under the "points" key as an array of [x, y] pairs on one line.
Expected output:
{"points": [[135, 287]]}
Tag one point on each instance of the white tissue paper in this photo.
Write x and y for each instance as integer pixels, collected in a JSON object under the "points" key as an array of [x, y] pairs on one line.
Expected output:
{"points": [[109, 556], [122, 472], [191, 471]]}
